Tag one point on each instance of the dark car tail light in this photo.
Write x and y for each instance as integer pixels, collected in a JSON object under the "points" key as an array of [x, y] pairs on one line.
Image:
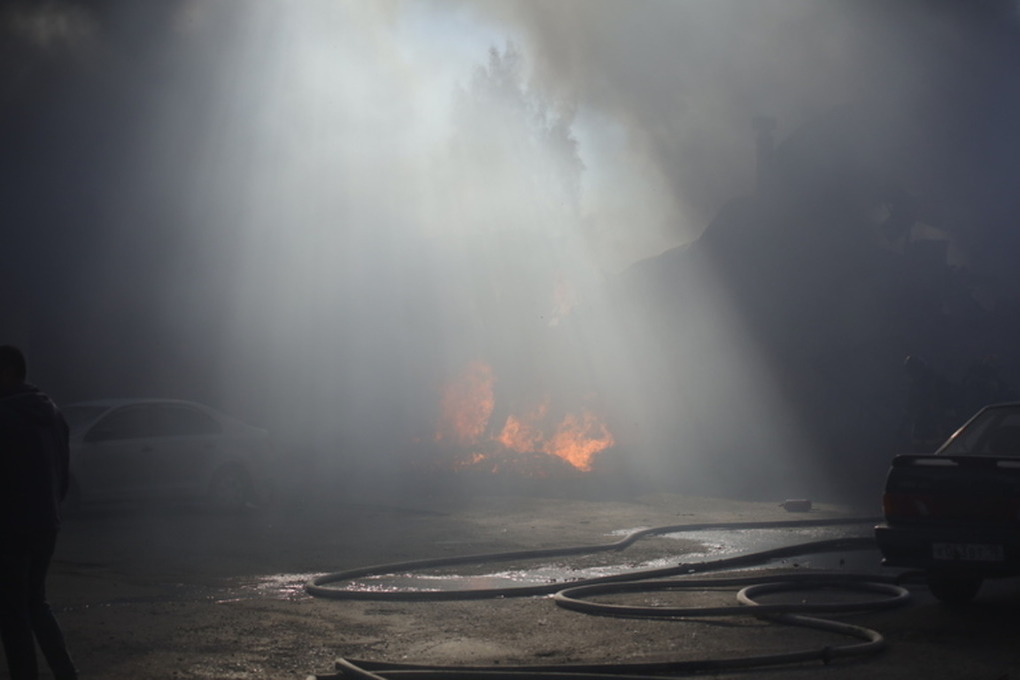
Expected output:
{"points": [[905, 506], [920, 507]]}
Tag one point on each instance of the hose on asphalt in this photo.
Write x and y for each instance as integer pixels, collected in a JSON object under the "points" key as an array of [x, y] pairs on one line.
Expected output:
{"points": [[576, 597], [319, 586]]}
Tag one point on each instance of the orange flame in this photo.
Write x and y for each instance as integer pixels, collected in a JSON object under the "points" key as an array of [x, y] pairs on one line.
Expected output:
{"points": [[522, 434], [467, 406], [578, 439]]}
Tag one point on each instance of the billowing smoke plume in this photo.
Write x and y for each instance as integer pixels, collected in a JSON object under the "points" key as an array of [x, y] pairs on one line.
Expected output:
{"points": [[684, 80], [317, 214]]}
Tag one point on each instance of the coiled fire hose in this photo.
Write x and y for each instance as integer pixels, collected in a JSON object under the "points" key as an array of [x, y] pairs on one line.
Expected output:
{"points": [[574, 597]]}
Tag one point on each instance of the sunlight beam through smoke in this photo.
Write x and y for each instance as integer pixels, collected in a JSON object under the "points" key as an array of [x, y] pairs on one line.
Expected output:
{"points": [[388, 212]]}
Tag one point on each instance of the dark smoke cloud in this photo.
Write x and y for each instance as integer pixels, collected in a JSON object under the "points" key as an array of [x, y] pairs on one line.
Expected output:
{"points": [[934, 77], [873, 99]]}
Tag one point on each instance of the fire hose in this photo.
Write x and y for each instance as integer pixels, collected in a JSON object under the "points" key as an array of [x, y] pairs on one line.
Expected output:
{"points": [[885, 589]]}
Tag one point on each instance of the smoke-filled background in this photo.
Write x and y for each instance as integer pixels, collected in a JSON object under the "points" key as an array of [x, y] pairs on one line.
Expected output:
{"points": [[704, 233]]}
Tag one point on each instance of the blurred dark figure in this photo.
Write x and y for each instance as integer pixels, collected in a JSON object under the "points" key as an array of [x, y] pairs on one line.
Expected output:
{"points": [[932, 406], [983, 385], [33, 482]]}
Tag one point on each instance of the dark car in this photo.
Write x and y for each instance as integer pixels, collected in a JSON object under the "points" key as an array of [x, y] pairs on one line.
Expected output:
{"points": [[956, 513], [140, 449]]}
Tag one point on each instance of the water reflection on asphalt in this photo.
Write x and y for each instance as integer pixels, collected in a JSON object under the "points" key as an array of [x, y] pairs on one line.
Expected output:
{"points": [[713, 545], [272, 587], [290, 587], [725, 543]]}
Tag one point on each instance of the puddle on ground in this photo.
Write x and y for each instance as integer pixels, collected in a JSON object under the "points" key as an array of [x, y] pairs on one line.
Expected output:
{"points": [[714, 544], [288, 587]]}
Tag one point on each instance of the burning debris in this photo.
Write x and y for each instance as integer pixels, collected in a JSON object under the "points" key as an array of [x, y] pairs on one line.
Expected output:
{"points": [[532, 443]]}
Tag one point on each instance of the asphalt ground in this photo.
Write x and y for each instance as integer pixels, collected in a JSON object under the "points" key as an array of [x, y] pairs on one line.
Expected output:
{"points": [[176, 591]]}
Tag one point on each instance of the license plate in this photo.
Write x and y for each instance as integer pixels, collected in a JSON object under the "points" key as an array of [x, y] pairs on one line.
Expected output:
{"points": [[968, 552]]}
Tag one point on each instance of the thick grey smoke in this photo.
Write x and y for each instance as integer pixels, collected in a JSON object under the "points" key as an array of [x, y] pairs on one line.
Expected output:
{"points": [[319, 214], [684, 80]]}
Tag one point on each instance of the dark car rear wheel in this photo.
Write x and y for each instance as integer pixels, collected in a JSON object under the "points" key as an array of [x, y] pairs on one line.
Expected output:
{"points": [[230, 489], [953, 588]]}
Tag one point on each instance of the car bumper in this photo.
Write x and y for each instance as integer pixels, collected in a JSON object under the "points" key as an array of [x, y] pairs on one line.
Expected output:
{"points": [[988, 551]]}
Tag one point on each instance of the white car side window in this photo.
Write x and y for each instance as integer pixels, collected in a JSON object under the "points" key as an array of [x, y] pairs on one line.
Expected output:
{"points": [[127, 423]]}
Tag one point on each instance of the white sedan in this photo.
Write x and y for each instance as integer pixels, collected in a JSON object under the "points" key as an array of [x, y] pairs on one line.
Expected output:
{"points": [[136, 449]]}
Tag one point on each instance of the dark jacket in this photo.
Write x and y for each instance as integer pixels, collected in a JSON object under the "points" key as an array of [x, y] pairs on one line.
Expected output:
{"points": [[34, 459]]}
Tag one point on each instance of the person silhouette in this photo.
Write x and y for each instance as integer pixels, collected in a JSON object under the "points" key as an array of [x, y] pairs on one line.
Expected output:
{"points": [[34, 459]]}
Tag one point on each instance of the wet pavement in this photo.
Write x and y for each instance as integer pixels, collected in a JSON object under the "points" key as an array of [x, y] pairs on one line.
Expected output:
{"points": [[166, 592], [711, 545]]}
